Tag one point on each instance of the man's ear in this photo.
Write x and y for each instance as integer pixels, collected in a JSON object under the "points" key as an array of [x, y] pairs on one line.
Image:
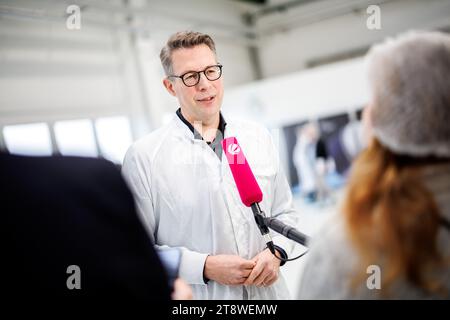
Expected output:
{"points": [[169, 86]]}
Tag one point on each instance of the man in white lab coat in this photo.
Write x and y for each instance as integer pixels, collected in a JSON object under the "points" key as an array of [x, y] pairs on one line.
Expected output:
{"points": [[185, 192]]}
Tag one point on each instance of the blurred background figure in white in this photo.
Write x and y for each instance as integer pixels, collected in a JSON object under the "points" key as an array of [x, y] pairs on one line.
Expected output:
{"points": [[312, 163]]}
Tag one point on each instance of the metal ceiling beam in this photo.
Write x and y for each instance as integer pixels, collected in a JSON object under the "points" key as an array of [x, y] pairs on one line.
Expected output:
{"points": [[226, 32]]}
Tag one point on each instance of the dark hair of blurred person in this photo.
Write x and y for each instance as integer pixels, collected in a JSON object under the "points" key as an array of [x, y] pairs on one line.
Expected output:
{"points": [[64, 211]]}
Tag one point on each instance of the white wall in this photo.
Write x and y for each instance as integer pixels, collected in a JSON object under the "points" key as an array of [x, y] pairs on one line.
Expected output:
{"points": [[289, 51], [308, 94]]}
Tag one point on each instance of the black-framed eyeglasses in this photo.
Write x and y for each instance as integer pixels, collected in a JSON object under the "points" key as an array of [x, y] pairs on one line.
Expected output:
{"points": [[192, 78]]}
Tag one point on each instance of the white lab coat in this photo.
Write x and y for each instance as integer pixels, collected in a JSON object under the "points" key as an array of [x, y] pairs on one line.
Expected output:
{"points": [[187, 198]]}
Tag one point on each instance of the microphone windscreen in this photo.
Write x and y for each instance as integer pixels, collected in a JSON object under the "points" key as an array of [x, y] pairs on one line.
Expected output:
{"points": [[246, 183]]}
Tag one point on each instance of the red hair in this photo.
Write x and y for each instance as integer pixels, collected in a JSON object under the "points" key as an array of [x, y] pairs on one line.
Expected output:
{"points": [[392, 218]]}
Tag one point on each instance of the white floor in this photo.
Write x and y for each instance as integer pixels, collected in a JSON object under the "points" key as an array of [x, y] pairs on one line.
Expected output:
{"points": [[312, 216]]}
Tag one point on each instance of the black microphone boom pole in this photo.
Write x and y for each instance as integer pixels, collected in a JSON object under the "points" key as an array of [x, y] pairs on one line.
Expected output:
{"points": [[259, 218], [287, 231]]}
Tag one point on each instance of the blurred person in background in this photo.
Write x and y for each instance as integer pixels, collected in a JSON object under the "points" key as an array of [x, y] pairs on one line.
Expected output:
{"points": [[311, 162], [396, 212], [185, 192]]}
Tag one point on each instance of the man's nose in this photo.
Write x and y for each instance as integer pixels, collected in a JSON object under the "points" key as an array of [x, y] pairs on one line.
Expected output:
{"points": [[203, 83]]}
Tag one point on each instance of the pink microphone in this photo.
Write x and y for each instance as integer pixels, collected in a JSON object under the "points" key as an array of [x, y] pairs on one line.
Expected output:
{"points": [[247, 186], [246, 183]]}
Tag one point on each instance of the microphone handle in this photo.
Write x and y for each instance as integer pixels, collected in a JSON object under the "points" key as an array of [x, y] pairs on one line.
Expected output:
{"points": [[287, 231], [259, 218]]}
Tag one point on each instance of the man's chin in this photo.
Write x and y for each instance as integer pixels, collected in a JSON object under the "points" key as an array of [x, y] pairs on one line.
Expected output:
{"points": [[209, 109], [208, 114]]}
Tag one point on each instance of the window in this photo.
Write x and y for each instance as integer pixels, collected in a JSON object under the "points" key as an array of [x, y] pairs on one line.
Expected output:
{"points": [[28, 139], [114, 137], [76, 138]]}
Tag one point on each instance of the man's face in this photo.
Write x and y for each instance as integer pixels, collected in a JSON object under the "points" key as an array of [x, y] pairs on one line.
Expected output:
{"points": [[201, 102]]}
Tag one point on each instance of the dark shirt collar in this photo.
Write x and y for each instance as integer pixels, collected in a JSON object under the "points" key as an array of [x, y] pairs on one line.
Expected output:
{"points": [[197, 135], [216, 144]]}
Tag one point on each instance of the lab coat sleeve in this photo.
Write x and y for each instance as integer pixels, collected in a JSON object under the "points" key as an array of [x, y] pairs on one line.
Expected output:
{"points": [[283, 210], [192, 264], [138, 177], [282, 203]]}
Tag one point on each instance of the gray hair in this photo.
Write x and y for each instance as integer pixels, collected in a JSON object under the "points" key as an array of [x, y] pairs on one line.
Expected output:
{"points": [[409, 78], [183, 39]]}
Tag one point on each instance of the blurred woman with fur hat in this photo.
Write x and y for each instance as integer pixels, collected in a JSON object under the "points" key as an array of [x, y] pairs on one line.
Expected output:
{"points": [[391, 238]]}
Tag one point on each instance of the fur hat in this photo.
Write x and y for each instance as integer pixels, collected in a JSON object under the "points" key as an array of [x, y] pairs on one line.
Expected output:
{"points": [[409, 79]]}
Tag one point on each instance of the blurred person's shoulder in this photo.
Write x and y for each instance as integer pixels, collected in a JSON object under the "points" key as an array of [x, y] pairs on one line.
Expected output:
{"points": [[332, 241], [330, 262], [56, 166]]}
